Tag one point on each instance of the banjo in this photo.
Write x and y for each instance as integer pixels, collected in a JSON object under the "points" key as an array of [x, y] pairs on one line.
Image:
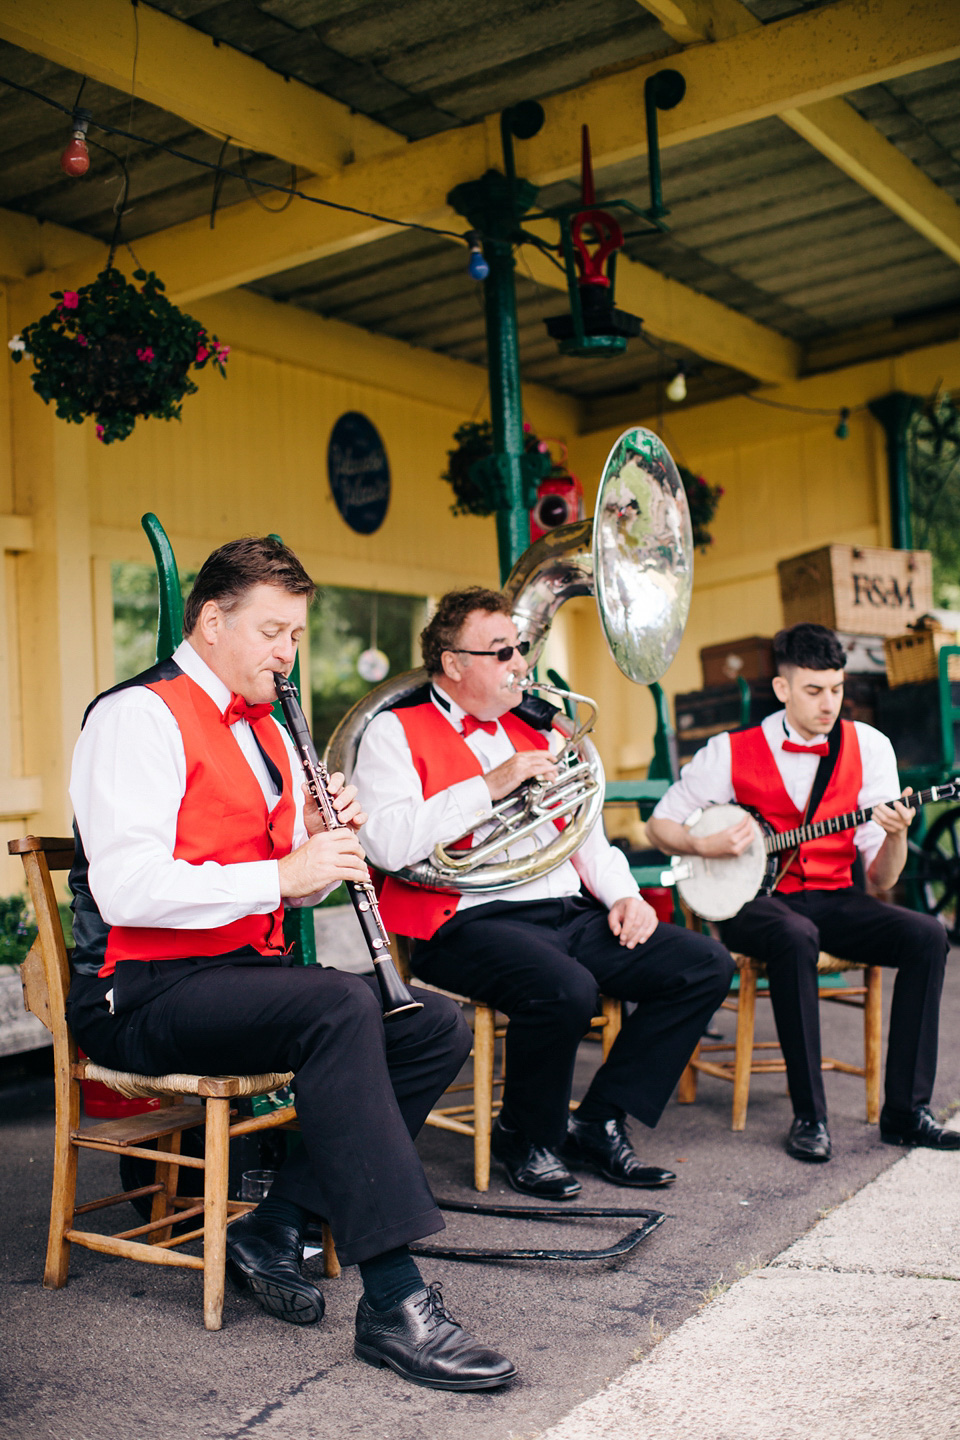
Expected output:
{"points": [[718, 887]]}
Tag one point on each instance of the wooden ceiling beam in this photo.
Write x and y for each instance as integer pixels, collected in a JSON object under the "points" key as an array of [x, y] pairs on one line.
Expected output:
{"points": [[833, 127], [181, 70]]}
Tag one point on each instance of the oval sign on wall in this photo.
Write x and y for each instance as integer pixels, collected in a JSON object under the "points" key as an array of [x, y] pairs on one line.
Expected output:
{"points": [[359, 473]]}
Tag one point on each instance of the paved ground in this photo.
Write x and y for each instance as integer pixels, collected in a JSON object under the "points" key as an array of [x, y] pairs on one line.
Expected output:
{"points": [[120, 1353]]}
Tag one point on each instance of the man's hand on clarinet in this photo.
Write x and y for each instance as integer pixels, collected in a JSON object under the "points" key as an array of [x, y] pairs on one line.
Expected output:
{"points": [[344, 802], [524, 765], [633, 920], [325, 859]]}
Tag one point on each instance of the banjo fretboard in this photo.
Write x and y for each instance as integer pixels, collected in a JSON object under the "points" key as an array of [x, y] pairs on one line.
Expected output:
{"points": [[789, 839]]}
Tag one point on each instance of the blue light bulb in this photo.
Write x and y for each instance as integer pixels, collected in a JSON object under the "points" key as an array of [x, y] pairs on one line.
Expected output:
{"points": [[477, 267]]}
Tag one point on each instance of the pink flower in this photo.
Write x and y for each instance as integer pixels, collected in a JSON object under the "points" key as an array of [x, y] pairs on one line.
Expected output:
{"points": [[146, 354], [526, 427], [223, 351], [70, 300], [82, 340], [99, 432], [202, 354]]}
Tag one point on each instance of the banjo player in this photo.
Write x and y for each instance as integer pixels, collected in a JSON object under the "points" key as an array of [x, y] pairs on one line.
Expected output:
{"points": [[801, 753]]}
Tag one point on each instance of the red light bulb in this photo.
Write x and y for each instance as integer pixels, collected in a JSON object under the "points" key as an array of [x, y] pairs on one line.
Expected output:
{"points": [[75, 159]]}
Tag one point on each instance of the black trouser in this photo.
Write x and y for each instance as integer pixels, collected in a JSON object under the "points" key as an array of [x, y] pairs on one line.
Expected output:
{"points": [[363, 1089], [544, 963], [787, 932]]}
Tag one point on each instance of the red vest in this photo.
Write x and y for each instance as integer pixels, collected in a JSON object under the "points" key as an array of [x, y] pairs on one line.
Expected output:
{"points": [[820, 864], [223, 817], [442, 758]]}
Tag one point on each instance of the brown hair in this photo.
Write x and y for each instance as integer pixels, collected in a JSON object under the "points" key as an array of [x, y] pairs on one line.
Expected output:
{"points": [[443, 631], [235, 568]]}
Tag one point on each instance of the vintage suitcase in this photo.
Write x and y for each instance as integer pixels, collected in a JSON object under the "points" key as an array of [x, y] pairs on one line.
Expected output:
{"points": [[865, 591], [751, 657], [702, 713]]}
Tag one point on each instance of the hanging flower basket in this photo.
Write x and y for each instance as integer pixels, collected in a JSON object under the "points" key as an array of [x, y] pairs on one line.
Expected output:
{"points": [[477, 493], [702, 501], [117, 352]]}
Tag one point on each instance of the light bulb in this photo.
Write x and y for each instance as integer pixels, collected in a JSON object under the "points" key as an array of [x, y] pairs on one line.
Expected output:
{"points": [[477, 267], [843, 429], [677, 389], [75, 159]]}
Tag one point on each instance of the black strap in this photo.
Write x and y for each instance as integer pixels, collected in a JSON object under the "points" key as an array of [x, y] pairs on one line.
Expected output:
{"points": [[825, 769]]}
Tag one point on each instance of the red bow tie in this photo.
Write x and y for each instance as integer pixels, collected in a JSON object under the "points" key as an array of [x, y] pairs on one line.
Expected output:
{"points": [[822, 749], [471, 723], [238, 709]]}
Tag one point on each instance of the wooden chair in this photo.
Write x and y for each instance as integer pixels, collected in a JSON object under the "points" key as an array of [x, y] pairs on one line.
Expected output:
{"points": [[46, 979], [476, 1117], [753, 1057]]}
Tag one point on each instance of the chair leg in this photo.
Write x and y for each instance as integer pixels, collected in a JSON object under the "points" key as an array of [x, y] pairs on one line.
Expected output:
{"points": [[331, 1264], [743, 1054], [612, 1011], [215, 1174], [62, 1203], [687, 1084], [482, 1094], [872, 1026]]}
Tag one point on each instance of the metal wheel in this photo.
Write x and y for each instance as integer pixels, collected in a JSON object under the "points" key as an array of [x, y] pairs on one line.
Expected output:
{"points": [[939, 888]]}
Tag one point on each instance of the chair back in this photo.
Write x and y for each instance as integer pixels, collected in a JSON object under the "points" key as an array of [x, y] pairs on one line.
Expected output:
{"points": [[45, 973]]}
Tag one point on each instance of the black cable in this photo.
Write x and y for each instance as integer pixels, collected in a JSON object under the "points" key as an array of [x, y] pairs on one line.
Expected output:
{"points": [[800, 409], [236, 174]]}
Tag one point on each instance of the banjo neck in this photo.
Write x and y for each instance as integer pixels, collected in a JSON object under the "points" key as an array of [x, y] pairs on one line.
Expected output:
{"points": [[789, 839]]}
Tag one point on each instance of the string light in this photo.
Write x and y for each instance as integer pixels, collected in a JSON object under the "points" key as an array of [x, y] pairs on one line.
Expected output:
{"points": [[677, 389], [75, 160], [477, 267]]}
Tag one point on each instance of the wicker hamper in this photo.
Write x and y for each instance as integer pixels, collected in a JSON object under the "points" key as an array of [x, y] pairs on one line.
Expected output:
{"points": [[865, 591], [912, 659]]}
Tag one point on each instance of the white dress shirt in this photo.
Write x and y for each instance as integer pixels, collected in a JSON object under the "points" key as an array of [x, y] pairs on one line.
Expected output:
{"points": [[403, 827], [707, 779], [129, 776]]}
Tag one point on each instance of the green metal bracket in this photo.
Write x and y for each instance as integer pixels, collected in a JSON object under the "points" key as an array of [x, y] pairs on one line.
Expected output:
{"points": [[665, 764], [745, 701], [949, 713], [170, 623]]}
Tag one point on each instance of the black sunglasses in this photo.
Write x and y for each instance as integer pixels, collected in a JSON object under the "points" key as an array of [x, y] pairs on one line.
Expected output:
{"points": [[503, 654]]}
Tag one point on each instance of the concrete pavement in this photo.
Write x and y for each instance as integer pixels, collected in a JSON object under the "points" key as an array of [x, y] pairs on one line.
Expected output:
{"points": [[851, 1333]]}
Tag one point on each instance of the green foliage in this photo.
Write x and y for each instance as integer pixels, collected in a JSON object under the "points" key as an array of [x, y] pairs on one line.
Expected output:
{"points": [[933, 450], [117, 353], [474, 442], [17, 933], [136, 614], [702, 500], [341, 625]]}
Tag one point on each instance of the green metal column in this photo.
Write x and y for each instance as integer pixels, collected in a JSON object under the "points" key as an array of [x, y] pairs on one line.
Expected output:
{"points": [[494, 205], [895, 411]]}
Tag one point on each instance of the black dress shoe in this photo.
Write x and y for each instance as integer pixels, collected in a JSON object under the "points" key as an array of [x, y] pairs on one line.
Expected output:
{"points": [[809, 1140], [603, 1145], [423, 1343], [266, 1258], [919, 1128], [530, 1168]]}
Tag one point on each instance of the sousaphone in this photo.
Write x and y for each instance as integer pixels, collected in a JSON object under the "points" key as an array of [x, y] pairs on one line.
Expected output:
{"points": [[635, 556]]}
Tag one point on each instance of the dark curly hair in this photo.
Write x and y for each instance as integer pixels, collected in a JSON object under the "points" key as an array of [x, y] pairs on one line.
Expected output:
{"points": [[443, 631], [235, 568], [808, 647]]}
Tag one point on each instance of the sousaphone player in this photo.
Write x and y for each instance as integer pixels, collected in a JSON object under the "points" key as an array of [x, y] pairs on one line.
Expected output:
{"points": [[804, 763]]}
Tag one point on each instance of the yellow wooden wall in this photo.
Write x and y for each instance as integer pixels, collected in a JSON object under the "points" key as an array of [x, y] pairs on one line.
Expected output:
{"points": [[250, 456]]}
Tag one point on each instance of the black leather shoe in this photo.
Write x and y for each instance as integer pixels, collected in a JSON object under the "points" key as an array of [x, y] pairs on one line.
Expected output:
{"points": [[809, 1140], [920, 1128], [603, 1145], [266, 1258], [530, 1168], [423, 1343]]}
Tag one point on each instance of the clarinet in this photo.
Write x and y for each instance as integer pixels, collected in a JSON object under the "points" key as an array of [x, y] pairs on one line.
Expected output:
{"points": [[394, 995]]}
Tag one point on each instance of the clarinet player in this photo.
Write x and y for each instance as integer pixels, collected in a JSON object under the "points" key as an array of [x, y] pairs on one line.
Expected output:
{"points": [[192, 834]]}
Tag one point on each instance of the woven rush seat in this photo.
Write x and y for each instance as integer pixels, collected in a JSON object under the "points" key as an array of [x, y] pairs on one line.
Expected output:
{"points": [[752, 1057], [135, 1087]]}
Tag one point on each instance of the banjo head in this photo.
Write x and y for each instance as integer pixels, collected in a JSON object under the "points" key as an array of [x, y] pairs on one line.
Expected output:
{"points": [[719, 887]]}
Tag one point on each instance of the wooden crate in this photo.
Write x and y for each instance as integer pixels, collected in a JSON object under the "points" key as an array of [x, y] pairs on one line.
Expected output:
{"points": [[751, 657], [913, 659], [865, 591]]}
